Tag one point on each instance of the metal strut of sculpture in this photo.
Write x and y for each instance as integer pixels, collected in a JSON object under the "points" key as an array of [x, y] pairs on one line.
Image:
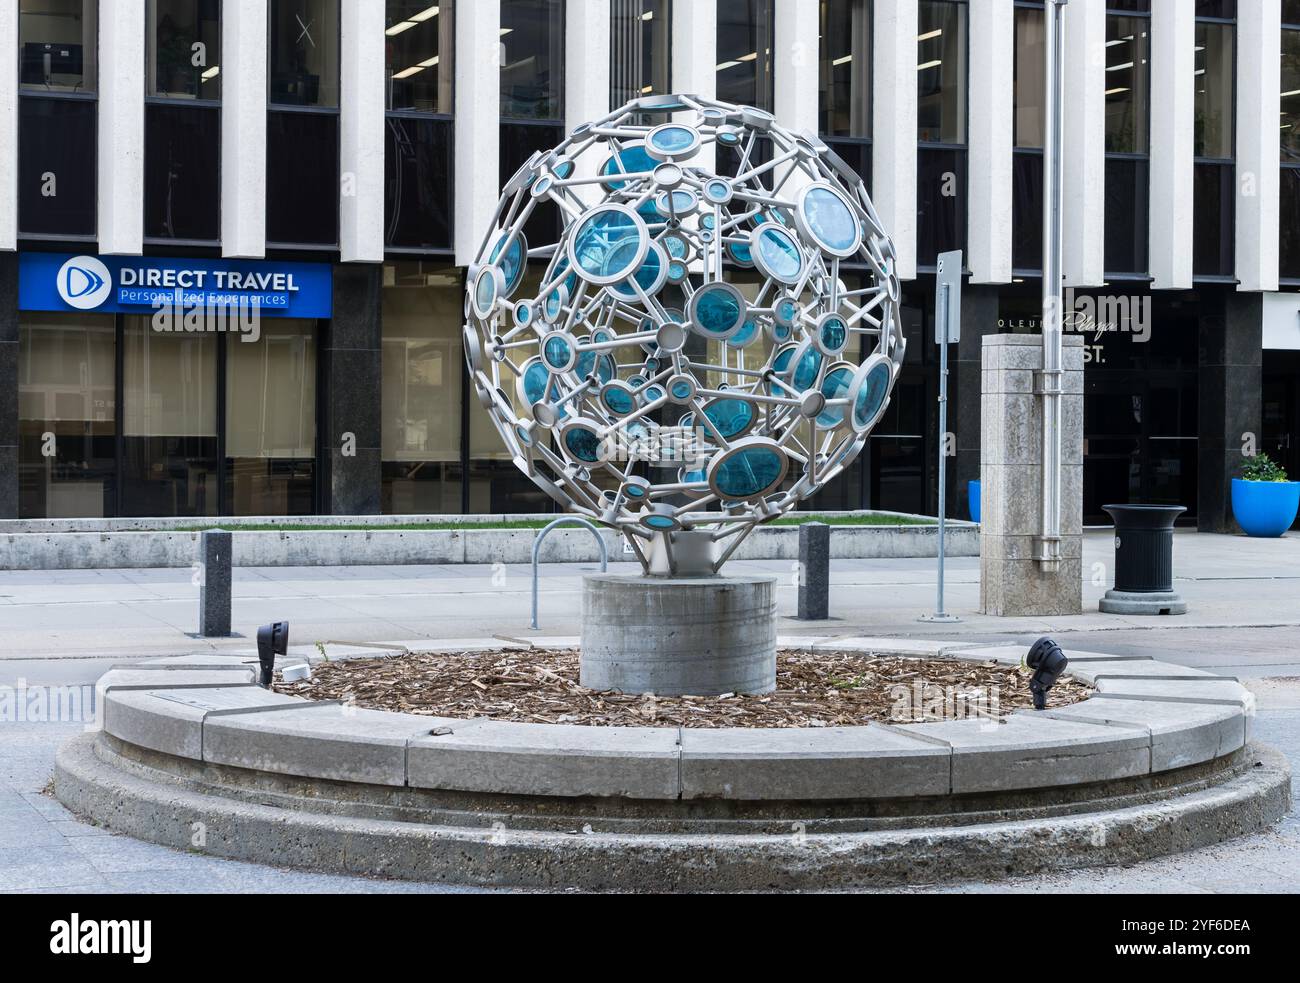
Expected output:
{"points": [[688, 366]]}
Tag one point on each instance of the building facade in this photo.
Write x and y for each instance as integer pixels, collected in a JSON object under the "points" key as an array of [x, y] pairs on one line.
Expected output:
{"points": [[334, 163]]}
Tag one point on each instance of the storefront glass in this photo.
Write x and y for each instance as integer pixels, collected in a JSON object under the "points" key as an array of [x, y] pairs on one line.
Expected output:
{"points": [[422, 375]]}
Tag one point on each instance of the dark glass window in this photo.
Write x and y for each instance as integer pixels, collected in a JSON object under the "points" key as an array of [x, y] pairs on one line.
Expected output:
{"points": [[1027, 212], [1126, 215], [857, 154], [1130, 6], [845, 68], [1128, 82], [1030, 79], [941, 72], [1291, 96], [1290, 221], [57, 45], [1216, 8], [420, 46], [182, 172], [56, 166], [420, 169], [304, 52], [532, 59], [1291, 11], [1213, 214], [302, 178], [184, 49], [745, 52], [519, 141], [940, 202], [640, 50], [1215, 82]]}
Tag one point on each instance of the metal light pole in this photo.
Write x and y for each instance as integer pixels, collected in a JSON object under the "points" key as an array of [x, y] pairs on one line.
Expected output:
{"points": [[1049, 379]]}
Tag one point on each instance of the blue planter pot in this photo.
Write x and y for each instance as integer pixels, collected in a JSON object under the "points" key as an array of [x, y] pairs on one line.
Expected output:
{"points": [[973, 500], [1265, 508]]}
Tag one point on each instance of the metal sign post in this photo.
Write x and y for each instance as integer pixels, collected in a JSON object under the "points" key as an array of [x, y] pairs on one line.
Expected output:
{"points": [[947, 331]]}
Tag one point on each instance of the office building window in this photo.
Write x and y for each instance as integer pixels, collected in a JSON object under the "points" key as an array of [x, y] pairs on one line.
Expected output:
{"points": [[1030, 80], [57, 45], [419, 46], [422, 372], [169, 422], [941, 72], [532, 59], [845, 68], [271, 420], [67, 413], [1215, 80], [184, 49], [1290, 132], [304, 53], [745, 52], [640, 50], [1128, 82], [56, 166]]}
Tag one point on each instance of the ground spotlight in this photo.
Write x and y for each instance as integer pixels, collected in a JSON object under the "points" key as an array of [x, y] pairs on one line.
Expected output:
{"points": [[1047, 661], [272, 640]]}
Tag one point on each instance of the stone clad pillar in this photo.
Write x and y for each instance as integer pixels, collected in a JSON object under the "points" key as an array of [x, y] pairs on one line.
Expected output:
{"points": [[1012, 583]]}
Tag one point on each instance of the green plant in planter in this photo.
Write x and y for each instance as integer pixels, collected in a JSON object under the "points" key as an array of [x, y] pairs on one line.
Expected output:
{"points": [[1261, 467]]}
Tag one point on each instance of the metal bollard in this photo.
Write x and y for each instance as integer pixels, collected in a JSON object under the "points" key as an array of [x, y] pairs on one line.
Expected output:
{"points": [[214, 587], [814, 571]]}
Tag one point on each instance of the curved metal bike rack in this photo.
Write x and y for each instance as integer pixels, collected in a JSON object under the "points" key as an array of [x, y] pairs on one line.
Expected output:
{"points": [[537, 548]]}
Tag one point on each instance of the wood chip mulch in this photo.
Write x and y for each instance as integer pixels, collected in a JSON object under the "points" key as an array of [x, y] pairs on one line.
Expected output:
{"points": [[814, 689]]}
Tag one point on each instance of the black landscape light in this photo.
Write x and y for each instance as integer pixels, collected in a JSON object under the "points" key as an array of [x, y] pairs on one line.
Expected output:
{"points": [[272, 640], [1047, 661]]}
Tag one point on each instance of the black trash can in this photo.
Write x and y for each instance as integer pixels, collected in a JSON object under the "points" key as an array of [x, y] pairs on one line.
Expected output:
{"points": [[1144, 560]]}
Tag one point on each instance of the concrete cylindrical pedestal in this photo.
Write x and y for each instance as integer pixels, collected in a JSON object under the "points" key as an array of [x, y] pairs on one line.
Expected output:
{"points": [[679, 636]]}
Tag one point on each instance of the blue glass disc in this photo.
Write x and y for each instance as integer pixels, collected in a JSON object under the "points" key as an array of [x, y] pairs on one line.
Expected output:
{"points": [[749, 472]]}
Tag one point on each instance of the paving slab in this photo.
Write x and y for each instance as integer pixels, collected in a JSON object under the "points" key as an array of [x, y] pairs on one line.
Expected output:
{"points": [[1177, 690], [1092, 669], [136, 678], [330, 741], [548, 759], [810, 763], [1182, 734], [1029, 750]]}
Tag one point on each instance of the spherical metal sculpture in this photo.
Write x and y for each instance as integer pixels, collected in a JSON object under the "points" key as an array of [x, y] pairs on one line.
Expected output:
{"points": [[688, 365]]}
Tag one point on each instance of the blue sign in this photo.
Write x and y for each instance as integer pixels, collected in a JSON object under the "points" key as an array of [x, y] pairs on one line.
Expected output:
{"points": [[145, 284]]}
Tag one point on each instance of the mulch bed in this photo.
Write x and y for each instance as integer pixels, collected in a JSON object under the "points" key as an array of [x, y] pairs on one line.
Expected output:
{"points": [[813, 689]]}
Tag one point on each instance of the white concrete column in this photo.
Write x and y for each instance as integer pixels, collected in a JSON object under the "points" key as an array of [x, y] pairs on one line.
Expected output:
{"points": [[121, 127], [1083, 144], [695, 58], [795, 55], [244, 45], [478, 120], [9, 126], [893, 150], [1259, 82], [989, 194], [361, 133], [1173, 143], [586, 76]]}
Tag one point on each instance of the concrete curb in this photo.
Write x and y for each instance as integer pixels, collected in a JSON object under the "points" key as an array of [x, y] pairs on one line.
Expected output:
{"points": [[1257, 796]]}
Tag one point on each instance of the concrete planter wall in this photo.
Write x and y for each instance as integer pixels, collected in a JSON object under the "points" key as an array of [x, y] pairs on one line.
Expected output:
{"points": [[108, 544]]}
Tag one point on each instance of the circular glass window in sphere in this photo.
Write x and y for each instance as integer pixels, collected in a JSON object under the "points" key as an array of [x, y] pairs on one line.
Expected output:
{"points": [[717, 311], [785, 310], [826, 217], [606, 368], [610, 243], [673, 141], [677, 271], [835, 385], [712, 116], [776, 253], [807, 365], [717, 191], [586, 363], [618, 398], [636, 381], [580, 440], [730, 136], [473, 350], [650, 277], [489, 286], [832, 334], [524, 436], [652, 394], [741, 254], [732, 418], [783, 358], [675, 245], [559, 351], [676, 204], [708, 222], [512, 257], [636, 489], [661, 519], [633, 160], [668, 175], [533, 382], [748, 470], [869, 393], [555, 302], [682, 389], [541, 187], [563, 169], [747, 333], [523, 314]]}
